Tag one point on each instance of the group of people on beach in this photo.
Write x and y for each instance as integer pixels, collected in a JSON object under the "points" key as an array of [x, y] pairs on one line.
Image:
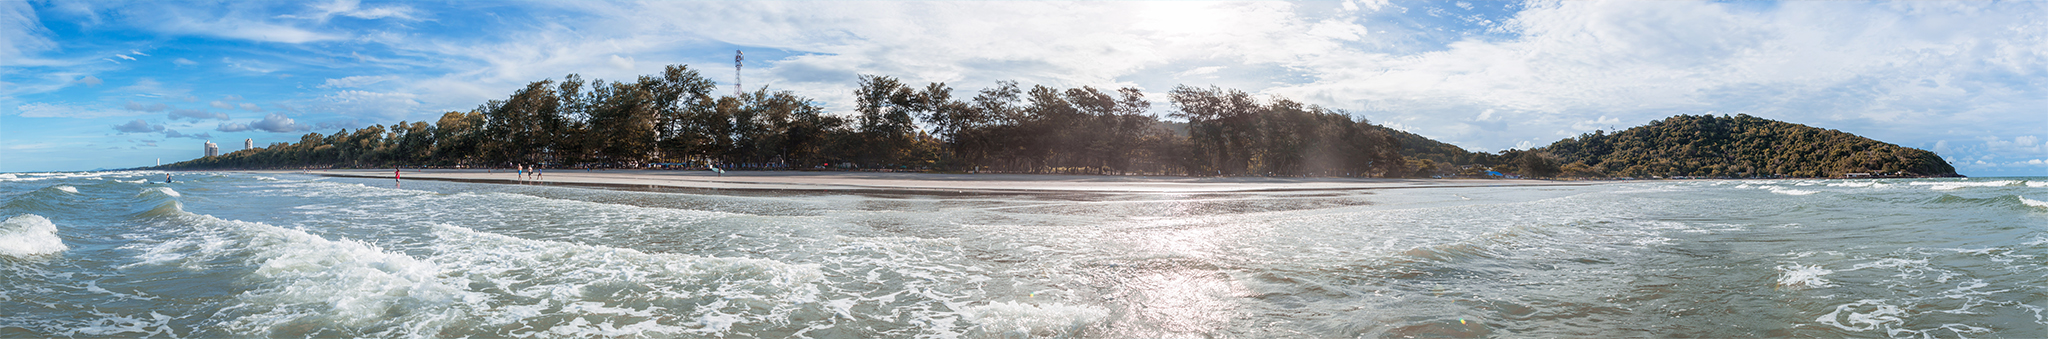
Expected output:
{"points": [[526, 173]]}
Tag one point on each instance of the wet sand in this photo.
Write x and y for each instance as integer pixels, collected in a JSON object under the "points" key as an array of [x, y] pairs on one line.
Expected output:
{"points": [[872, 181]]}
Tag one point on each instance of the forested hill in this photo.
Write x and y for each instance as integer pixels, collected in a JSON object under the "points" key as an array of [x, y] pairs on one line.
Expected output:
{"points": [[1738, 146]]}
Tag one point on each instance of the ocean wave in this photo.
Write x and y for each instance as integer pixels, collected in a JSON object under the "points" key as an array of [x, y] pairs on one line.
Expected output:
{"points": [[109, 324], [29, 235], [469, 283], [1860, 184], [163, 191], [1788, 191], [2033, 203], [1951, 185], [1010, 319]]}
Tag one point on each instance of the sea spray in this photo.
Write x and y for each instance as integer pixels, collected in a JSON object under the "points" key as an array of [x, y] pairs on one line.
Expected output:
{"points": [[29, 235]]}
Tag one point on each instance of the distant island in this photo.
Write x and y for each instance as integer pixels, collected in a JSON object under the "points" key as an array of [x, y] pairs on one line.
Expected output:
{"points": [[672, 120]]}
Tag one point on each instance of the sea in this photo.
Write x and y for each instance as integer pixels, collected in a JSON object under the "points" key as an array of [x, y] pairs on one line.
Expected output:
{"points": [[125, 254]]}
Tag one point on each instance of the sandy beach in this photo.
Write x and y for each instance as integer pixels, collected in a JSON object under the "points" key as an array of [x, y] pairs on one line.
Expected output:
{"points": [[870, 181]]}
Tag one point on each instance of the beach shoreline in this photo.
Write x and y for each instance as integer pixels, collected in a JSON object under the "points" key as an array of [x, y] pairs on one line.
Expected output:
{"points": [[869, 182]]}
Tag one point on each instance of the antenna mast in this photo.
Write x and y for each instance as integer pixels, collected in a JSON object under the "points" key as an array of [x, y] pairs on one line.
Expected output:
{"points": [[738, 58]]}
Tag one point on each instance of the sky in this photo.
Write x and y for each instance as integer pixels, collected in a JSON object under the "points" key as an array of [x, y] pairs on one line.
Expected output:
{"points": [[101, 84]]}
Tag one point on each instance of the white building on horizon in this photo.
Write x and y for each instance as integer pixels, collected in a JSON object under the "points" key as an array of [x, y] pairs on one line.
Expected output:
{"points": [[212, 150], [249, 143]]}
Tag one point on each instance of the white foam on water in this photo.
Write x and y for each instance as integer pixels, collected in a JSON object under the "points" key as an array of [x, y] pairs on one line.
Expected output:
{"points": [[167, 191], [1860, 184], [67, 188], [2037, 183], [1011, 319], [1864, 315], [1787, 191], [109, 324], [263, 178], [29, 235], [2034, 203], [1799, 277], [1951, 185], [480, 284]]}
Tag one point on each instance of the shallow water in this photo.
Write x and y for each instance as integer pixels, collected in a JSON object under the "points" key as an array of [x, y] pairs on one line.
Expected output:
{"points": [[116, 254]]}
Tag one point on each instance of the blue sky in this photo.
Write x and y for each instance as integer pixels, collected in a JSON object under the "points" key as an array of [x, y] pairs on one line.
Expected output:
{"points": [[87, 85]]}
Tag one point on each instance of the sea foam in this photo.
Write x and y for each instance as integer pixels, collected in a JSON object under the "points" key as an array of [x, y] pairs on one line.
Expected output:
{"points": [[29, 234], [1950, 185], [2034, 203], [1013, 319], [1798, 277], [1787, 191]]}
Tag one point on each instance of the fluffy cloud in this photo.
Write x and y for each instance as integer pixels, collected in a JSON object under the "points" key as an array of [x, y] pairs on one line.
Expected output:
{"points": [[138, 126], [221, 105], [276, 123], [175, 134], [90, 81]]}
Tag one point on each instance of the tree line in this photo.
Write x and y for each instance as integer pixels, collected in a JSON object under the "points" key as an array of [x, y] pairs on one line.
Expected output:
{"points": [[673, 118], [1739, 146]]}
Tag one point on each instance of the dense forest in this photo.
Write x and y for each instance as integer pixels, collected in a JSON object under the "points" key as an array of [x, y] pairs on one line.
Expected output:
{"points": [[673, 120], [1740, 146]]}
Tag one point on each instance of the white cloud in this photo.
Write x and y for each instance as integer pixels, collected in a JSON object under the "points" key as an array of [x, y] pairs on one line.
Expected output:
{"points": [[1199, 71], [220, 105], [251, 107], [357, 81], [354, 9], [274, 123], [365, 104], [90, 81], [184, 62], [138, 126], [130, 58], [56, 110], [20, 32], [622, 63]]}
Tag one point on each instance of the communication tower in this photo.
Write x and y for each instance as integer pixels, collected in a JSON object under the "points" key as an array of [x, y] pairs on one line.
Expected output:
{"points": [[738, 60]]}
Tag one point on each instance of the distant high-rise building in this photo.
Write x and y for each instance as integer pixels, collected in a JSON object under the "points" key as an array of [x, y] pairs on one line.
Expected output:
{"points": [[212, 150], [248, 143]]}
